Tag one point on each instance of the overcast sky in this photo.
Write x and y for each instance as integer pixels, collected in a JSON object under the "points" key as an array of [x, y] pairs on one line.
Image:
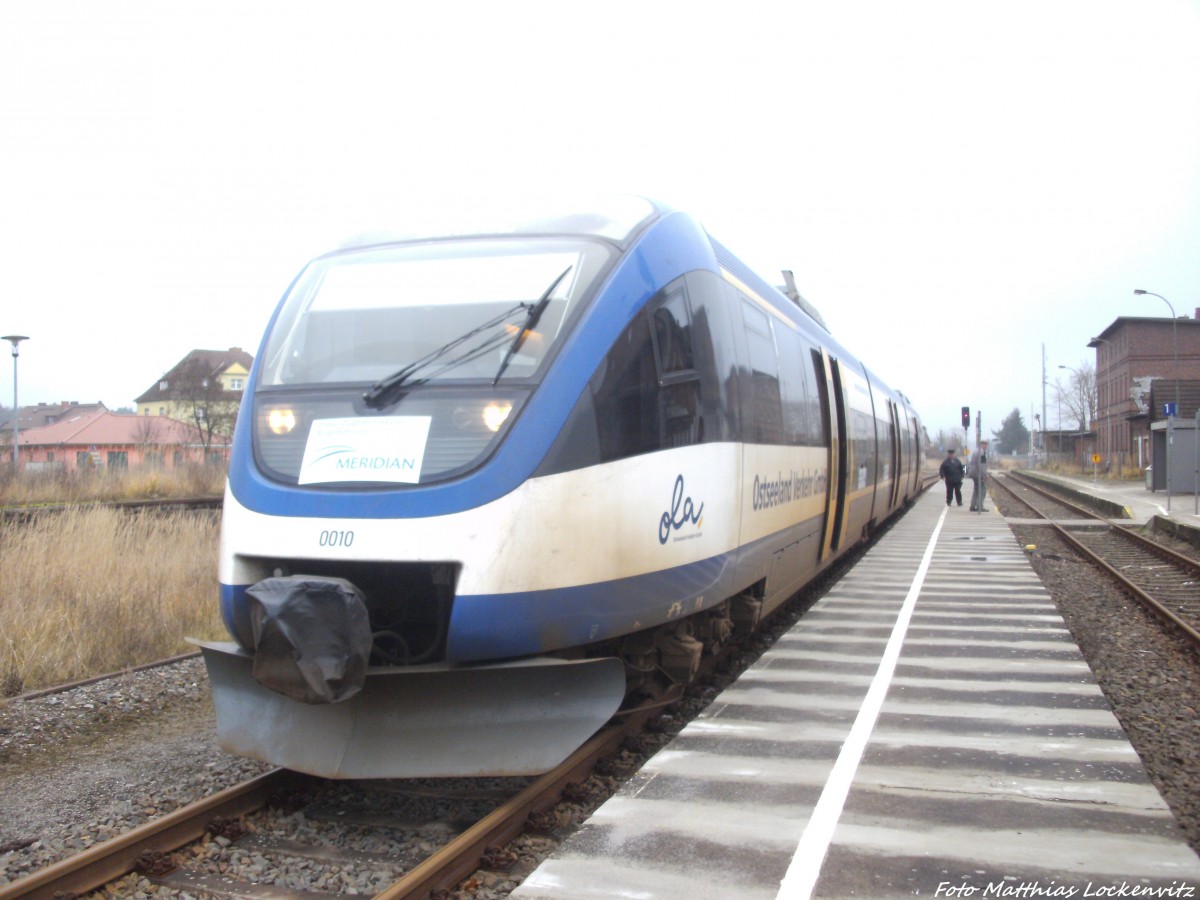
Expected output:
{"points": [[953, 183]]}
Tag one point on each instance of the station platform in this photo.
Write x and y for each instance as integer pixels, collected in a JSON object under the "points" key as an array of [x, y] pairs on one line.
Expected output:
{"points": [[1142, 504], [928, 728]]}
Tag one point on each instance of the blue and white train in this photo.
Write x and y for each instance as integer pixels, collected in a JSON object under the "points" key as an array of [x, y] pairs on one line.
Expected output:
{"points": [[485, 486]]}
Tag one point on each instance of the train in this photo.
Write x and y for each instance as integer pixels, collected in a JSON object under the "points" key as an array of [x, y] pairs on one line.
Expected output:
{"points": [[488, 485]]}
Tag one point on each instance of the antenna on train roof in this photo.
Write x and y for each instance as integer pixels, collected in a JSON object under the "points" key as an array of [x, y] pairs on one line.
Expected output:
{"points": [[789, 287]]}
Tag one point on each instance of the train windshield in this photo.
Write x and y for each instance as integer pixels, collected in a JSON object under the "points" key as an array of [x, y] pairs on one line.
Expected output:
{"points": [[458, 310]]}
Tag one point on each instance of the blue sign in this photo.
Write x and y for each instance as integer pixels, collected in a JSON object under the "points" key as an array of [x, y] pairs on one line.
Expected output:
{"points": [[1168, 409]]}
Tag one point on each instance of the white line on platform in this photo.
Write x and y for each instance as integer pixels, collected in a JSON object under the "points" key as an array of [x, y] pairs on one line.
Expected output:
{"points": [[802, 874]]}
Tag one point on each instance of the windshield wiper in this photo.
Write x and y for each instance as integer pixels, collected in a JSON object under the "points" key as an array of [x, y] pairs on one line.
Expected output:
{"points": [[384, 392], [531, 320]]}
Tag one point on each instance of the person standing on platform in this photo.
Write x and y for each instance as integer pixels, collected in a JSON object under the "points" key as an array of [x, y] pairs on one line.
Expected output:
{"points": [[978, 472], [951, 472]]}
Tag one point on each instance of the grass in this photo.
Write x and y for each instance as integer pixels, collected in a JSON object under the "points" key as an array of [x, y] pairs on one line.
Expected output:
{"points": [[92, 486], [93, 590], [1072, 468]]}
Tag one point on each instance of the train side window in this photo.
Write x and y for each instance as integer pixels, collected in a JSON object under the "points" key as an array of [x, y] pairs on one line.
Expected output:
{"points": [[658, 386], [678, 380], [713, 303], [673, 334], [765, 423], [626, 398], [796, 426]]}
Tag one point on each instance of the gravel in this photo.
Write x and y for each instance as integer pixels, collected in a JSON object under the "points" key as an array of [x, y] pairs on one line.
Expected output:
{"points": [[85, 765], [1149, 674]]}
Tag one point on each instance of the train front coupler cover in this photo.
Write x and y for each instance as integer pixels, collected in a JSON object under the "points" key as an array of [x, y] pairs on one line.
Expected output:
{"points": [[312, 637]]}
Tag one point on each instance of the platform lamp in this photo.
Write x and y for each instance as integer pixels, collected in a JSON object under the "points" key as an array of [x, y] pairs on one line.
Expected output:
{"points": [[1109, 443], [15, 340], [1075, 444], [1175, 352]]}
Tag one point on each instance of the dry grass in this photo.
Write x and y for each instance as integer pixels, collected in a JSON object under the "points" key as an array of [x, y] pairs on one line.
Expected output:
{"points": [[88, 591], [1073, 469], [143, 483]]}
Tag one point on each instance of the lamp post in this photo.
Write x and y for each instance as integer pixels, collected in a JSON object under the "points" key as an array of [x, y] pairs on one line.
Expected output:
{"points": [[1175, 352], [1109, 443], [1058, 420], [1045, 421], [15, 340], [1084, 396]]}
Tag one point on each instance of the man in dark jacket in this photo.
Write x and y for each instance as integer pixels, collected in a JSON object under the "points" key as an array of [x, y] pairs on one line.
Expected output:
{"points": [[951, 472]]}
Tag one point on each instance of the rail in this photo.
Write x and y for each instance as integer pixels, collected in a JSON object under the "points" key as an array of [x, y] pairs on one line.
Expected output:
{"points": [[1163, 581], [114, 858]]}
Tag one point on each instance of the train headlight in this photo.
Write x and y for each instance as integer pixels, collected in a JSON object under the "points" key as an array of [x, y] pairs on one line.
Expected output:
{"points": [[494, 415], [281, 420]]}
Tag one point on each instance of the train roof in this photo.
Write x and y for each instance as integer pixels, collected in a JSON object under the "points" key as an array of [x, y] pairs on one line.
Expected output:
{"points": [[617, 218]]}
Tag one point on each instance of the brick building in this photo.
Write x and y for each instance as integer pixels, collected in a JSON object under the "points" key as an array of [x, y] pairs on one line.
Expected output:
{"points": [[1139, 362]]}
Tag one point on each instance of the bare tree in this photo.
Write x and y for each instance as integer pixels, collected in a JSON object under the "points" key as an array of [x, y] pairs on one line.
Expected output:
{"points": [[945, 439], [146, 433], [204, 399], [146, 430], [1077, 396]]}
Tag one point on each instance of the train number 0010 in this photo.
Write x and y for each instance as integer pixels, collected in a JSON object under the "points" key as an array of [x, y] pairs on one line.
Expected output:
{"points": [[336, 538]]}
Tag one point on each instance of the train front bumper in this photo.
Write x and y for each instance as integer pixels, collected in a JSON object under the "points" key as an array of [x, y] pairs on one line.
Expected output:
{"points": [[437, 720]]}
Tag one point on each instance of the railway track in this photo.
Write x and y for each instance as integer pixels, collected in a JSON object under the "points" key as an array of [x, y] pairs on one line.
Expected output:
{"points": [[142, 846], [1165, 582], [25, 513], [278, 834], [201, 849], [107, 676], [1043, 502], [195, 849]]}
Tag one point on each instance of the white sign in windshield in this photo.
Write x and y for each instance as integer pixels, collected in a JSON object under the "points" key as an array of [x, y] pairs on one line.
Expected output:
{"points": [[389, 449]]}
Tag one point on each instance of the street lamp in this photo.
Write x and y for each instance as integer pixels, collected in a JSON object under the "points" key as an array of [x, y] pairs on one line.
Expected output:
{"points": [[1045, 421], [1170, 419], [15, 340], [1109, 444], [1175, 351], [1174, 341]]}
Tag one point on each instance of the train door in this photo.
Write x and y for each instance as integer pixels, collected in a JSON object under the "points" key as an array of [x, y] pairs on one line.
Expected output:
{"points": [[918, 453], [833, 413], [909, 455], [896, 455]]}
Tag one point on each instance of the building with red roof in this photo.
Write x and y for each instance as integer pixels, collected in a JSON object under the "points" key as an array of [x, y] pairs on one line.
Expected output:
{"points": [[103, 439]]}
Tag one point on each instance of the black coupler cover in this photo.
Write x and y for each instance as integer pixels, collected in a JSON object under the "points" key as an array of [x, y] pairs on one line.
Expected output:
{"points": [[312, 639]]}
